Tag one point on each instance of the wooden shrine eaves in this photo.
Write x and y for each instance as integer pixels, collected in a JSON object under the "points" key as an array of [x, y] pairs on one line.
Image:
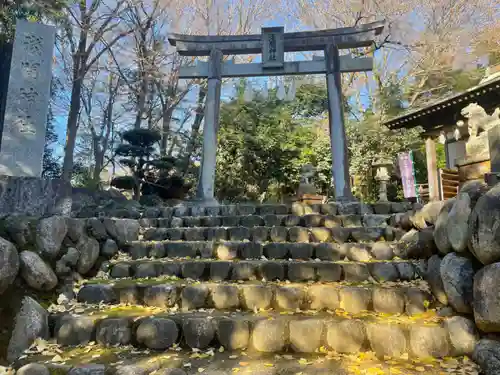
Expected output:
{"points": [[348, 37], [446, 112]]}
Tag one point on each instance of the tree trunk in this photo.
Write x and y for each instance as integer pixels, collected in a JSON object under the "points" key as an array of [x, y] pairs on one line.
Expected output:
{"points": [[167, 117], [137, 190], [143, 91], [141, 103], [99, 161], [195, 128], [72, 130]]}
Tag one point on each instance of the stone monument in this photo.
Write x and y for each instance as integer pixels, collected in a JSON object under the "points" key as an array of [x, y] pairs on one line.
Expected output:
{"points": [[22, 190], [27, 100]]}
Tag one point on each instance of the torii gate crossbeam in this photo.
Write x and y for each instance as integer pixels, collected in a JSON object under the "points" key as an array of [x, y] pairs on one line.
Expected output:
{"points": [[273, 43]]}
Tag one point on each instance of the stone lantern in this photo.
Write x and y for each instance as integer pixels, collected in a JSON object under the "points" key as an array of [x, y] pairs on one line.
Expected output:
{"points": [[382, 168]]}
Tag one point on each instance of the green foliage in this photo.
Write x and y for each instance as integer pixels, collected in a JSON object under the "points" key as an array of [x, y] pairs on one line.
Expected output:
{"points": [[420, 162], [32, 10], [150, 173], [310, 101], [144, 138], [264, 144], [83, 177], [370, 140]]}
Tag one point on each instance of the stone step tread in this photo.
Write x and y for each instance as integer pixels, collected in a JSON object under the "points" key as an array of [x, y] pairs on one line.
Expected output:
{"points": [[264, 234], [270, 220], [96, 312], [212, 361], [174, 280], [293, 270], [393, 298], [227, 250], [279, 209], [425, 336]]}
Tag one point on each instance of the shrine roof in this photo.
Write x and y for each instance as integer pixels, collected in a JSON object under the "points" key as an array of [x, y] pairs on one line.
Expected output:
{"points": [[447, 111]]}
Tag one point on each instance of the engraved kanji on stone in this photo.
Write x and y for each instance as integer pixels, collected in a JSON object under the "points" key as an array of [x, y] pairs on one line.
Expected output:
{"points": [[25, 124], [29, 95], [33, 44], [272, 47], [30, 69]]}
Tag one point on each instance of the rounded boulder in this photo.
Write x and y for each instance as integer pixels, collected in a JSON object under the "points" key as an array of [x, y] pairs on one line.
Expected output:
{"points": [[36, 272], [9, 264], [484, 227], [486, 298], [50, 234], [458, 223], [457, 275], [158, 333], [441, 228]]}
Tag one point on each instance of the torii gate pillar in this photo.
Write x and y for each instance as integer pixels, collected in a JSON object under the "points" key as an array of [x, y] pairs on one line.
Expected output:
{"points": [[206, 180], [338, 141]]}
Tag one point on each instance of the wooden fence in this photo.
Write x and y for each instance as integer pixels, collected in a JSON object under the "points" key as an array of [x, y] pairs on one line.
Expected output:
{"points": [[449, 183]]}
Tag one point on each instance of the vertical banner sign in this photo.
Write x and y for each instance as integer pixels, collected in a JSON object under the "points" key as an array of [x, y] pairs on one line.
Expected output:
{"points": [[405, 160]]}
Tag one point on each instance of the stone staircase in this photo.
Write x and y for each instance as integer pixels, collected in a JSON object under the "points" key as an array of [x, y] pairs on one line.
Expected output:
{"points": [[270, 289]]}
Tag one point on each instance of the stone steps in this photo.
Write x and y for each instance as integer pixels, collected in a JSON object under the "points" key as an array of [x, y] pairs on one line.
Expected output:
{"points": [[250, 221], [420, 337], [96, 359], [273, 234], [270, 270], [279, 209], [407, 298], [228, 250]]}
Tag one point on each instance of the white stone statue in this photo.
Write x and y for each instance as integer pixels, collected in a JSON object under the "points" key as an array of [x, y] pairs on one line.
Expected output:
{"points": [[478, 120]]}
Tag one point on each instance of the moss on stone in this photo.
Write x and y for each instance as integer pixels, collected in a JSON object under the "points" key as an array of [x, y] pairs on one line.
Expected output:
{"points": [[57, 370]]}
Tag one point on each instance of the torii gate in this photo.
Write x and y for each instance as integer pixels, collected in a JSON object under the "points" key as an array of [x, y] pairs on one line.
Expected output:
{"points": [[272, 43]]}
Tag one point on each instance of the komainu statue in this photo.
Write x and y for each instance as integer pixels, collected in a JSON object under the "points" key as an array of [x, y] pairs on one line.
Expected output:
{"points": [[478, 120]]}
